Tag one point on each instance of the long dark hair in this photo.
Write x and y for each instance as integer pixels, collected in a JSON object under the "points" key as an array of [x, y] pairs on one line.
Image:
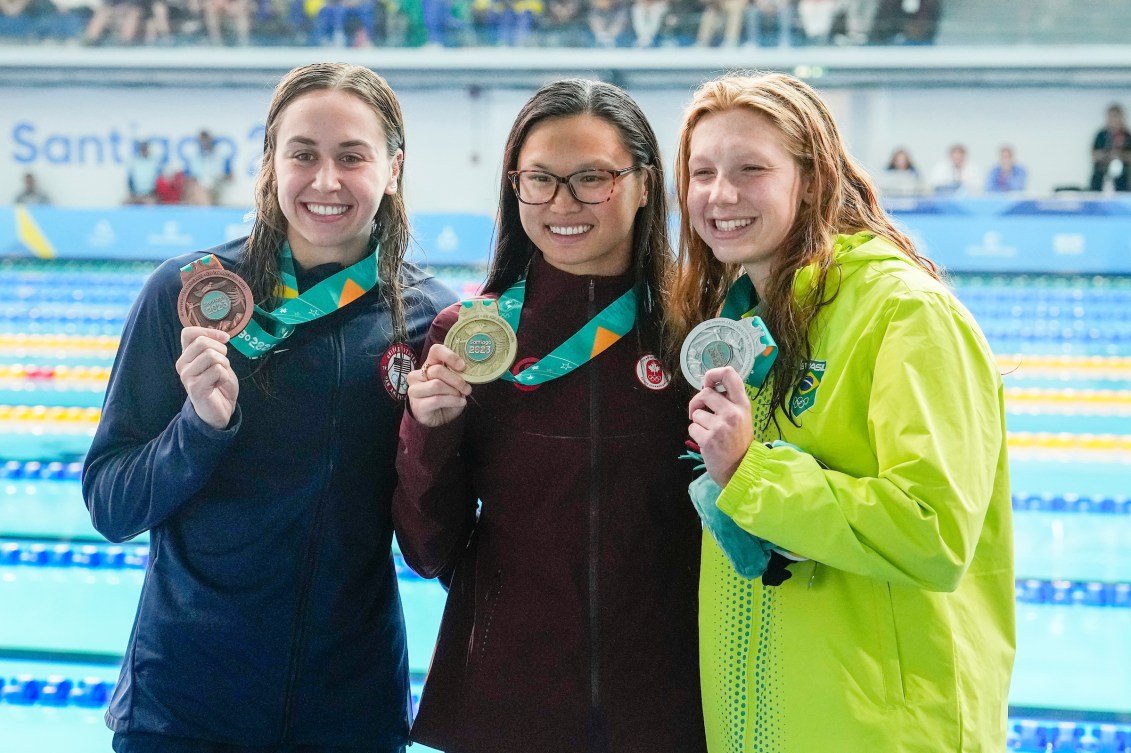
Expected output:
{"points": [[390, 224], [844, 201], [652, 261]]}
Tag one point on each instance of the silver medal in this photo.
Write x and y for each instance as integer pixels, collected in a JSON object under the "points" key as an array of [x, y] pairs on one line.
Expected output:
{"points": [[718, 342]]}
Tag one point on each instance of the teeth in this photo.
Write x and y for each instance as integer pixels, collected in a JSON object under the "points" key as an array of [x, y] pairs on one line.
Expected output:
{"points": [[327, 210], [727, 225], [571, 230]]}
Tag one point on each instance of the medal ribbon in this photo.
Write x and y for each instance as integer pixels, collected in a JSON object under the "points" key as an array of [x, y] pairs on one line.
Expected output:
{"points": [[609, 326], [741, 302], [741, 299], [333, 293]]}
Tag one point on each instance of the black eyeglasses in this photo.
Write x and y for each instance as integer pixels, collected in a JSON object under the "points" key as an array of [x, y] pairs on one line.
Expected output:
{"points": [[592, 186]]}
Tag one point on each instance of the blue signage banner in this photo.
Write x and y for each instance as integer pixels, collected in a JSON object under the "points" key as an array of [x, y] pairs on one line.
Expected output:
{"points": [[1088, 235]]}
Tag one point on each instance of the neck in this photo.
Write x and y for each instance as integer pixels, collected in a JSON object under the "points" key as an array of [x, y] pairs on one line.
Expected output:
{"points": [[759, 274], [308, 257]]}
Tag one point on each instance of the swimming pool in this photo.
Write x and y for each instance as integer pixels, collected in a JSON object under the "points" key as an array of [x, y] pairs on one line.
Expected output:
{"points": [[1064, 346]]}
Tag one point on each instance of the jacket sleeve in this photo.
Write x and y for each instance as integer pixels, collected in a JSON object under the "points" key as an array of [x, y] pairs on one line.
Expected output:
{"points": [[435, 504], [151, 452], [935, 442]]}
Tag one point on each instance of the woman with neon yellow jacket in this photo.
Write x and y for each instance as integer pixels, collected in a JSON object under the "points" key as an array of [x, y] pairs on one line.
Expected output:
{"points": [[870, 465]]}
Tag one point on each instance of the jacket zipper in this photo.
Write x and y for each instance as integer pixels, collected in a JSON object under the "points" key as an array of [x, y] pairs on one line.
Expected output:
{"points": [[594, 539], [298, 638]]}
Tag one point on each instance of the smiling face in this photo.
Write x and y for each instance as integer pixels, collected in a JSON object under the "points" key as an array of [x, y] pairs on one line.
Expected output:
{"points": [[332, 170], [582, 239], [744, 189]]}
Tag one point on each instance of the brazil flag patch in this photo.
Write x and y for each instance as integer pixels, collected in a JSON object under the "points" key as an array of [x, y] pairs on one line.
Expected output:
{"points": [[804, 394]]}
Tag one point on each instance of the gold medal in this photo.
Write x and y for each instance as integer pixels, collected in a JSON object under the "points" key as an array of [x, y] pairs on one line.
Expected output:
{"points": [[483, 339], [211, 296]]}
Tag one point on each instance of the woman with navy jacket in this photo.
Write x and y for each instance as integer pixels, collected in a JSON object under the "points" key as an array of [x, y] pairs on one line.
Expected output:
{"points": [[261, 463]]}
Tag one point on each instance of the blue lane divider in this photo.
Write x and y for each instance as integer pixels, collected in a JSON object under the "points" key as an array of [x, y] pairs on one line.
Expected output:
{"points": [[1077, 503], [90, 692], [136, 557], [92, 556], [27, 690], [107, 556], [1048, 735], [57, 470], [1073, 593]]}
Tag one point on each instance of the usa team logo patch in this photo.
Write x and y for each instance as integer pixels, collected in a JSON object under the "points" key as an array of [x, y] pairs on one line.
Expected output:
{"points": [[804, 394], [651, 373], [396, 362]]}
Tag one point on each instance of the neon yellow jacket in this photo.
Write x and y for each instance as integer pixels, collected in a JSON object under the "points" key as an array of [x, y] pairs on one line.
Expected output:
{"points": [[898, 634]]}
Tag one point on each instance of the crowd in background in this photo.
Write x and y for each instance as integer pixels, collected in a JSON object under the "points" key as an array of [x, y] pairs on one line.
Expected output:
{"points": [[152, 177], [958, 175], [465, 23]]}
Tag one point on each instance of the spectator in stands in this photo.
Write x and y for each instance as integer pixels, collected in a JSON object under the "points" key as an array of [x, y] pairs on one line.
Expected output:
{"points": [[448, 23], [236, 11], [1111, 153], [155, 23], [648, 20], [681, 25], [27, 19], [721, 15], [900, 177], [211, 170], [31, 193], [817, 19], [955, 175], [859, 15], [609, 23], [144, 169], [563, 25], [171, 187], [779, 14], [126, 15], [906, 21], [515, 27], [1006, 176]]}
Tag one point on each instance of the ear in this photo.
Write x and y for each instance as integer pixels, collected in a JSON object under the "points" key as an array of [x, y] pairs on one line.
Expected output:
{"points": [[394, 173], [644, 198], [808, 189]]}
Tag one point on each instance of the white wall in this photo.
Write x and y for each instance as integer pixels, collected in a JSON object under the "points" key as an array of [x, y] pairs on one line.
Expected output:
{"points": [[76, 140]]}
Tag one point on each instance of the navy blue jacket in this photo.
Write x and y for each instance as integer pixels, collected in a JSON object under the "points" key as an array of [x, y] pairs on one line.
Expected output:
{"points": [[270, 612]]}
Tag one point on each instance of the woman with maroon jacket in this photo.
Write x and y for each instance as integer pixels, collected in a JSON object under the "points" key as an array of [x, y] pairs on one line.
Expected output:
{"points": [[570, 624]]}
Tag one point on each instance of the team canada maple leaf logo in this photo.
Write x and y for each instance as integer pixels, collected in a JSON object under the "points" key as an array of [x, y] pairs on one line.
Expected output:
{"points": [[651, 373]]}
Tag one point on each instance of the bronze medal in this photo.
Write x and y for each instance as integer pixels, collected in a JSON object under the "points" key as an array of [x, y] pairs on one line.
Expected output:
{"points": [[211, 296]]}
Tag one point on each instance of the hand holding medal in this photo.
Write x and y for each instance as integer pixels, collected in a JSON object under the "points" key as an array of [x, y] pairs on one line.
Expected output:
{"points": [[743, 344], [478, 349], [721, 356], [214, 305], [483, 339]]}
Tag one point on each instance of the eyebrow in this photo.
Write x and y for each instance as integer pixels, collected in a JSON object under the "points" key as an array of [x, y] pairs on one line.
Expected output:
{"points": [[305, 141]]}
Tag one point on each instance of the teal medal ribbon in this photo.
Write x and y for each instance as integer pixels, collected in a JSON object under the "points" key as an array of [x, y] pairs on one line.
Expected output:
{"points": [[269, 328], [609, 326], [741, 300]]}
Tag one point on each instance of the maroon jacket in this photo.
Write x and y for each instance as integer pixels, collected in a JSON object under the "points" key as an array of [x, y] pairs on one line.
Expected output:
{"points": [[570, 624]]}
